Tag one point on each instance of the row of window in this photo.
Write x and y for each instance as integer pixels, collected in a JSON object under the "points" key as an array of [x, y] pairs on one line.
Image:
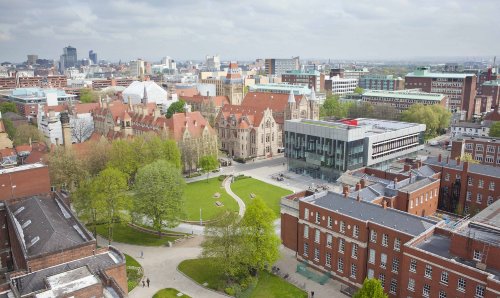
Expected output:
{"points": [[480, 147], [427, 195], [479, 198], [328, 261], [461, 283], [372, 255]]}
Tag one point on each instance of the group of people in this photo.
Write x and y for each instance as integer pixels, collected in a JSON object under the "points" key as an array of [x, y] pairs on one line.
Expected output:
{"points": [[145, 281]]}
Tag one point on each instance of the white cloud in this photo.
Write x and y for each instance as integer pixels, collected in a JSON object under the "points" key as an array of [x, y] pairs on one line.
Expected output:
{"points": [[189, 29]]}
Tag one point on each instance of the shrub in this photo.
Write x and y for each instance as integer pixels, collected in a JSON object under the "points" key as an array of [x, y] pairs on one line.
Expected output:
{"points": [[222, 177], [230, 291]]}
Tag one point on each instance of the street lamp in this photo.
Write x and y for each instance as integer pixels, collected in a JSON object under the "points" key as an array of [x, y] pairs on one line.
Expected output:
{"points": [[201, 221]]}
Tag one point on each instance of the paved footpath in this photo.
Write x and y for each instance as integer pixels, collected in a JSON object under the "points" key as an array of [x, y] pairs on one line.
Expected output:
{"points": [[160, 265], [241, 204]]}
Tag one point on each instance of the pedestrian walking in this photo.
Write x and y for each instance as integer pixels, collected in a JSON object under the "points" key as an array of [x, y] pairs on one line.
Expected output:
{"points": [[143, 283], [142, 254], [147, 281]]}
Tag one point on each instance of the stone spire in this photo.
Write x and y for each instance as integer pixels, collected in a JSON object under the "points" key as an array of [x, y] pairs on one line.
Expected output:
{"points": [[313, 94], [145, 96], [291, 97]]}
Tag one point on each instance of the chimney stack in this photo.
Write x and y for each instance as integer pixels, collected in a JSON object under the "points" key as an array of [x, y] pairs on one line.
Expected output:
{"points": [[419, 164], [358, 198], [406, 167], [448, 160], [363, 183], [466, 167], [345, 190], [384, 204], [358, 186], [458, 161], [440, 157]]}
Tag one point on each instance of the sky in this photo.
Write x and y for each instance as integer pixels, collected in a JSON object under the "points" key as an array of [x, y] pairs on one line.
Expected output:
{"points": [[245, 30]]}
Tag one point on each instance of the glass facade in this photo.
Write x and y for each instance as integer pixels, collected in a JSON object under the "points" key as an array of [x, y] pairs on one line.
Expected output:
{"points": [[320, 157]]}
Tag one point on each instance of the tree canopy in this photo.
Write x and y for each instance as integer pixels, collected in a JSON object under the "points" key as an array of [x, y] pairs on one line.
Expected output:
{"points": [[176, 107], [25, 133], [209, 163], [332, 107], [8, 107], [495, 130], [87, 95], [359, 90], [435, 117], [65, 169], [372, 288], [9, 128], [159, 189]]}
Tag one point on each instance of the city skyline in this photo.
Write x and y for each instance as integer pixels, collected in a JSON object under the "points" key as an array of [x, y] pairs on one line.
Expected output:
{"points": [[246, 30]]}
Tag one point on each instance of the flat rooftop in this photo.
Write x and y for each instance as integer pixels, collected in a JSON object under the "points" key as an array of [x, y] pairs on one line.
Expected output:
{"points": [[365, 211], [474, 138], [22, 168], [373, 125], [36, 281], [405, 94]]}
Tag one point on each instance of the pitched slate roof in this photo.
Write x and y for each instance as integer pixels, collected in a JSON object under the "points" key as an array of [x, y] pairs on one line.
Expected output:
{"points": [[473, 168], [365, 211]]}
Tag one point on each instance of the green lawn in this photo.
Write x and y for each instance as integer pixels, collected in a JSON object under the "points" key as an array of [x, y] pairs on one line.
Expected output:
{"points": [[203, 271], [200, 194], [133, 275], [269, 193], [124, 234], [169, 293], [269, 285]]}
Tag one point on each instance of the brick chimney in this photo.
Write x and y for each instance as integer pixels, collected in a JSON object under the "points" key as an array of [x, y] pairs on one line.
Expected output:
{"points": [[458, 161], [384, 204], [358, 186], [440, 157], [406, 167], [345, 190], [419, 164], [363, 183], [358, 198], [448, 160], [466, 167]]}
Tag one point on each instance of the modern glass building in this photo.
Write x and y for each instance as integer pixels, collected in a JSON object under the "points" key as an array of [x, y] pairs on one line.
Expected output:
{"points": [[325, 150]]}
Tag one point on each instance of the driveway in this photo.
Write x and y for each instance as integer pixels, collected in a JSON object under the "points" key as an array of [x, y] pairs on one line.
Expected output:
{"points": [[160, 266]]}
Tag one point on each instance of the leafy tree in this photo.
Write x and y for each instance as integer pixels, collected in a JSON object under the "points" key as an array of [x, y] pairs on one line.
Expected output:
{"points": [[110, 190], [359, 90], [468, 157], [159, 189], [26, 132], [65, 169], [87, 206], [332, 107], [224, 245], [261, 242], [123, 157], [8, 107], [209, 163], [176, 107], [88, 96], [435, 117], [96, 159], [495, 130], [372, 288], [9, 128], [361, 110]]}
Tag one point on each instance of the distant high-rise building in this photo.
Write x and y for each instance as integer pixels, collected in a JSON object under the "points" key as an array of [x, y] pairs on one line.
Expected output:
{"points": [[137, 68], [213, 62], [68, 58], [280, 66], [32, 59], [93, 56]]}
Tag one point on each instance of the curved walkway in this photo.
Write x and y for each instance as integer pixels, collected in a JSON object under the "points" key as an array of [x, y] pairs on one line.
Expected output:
{"points": [[241, 204], [160, 266]]}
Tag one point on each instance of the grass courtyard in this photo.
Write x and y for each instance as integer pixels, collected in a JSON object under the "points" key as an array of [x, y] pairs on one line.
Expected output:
{"points": [[124, 234], [269, 193], [203, 271], [169, 293], [200, 194], [134, 272]]}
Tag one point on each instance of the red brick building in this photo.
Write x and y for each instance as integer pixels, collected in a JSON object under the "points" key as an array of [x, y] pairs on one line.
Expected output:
{"points": [[349, 239], [484, 150], [492, 88], [24, 181], [412, 256], [455, 260], [465, 188], [459, 87]]}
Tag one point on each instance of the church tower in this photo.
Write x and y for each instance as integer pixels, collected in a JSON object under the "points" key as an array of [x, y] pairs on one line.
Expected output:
{"points": [[233, 84], [313, 105], [291, 107]]}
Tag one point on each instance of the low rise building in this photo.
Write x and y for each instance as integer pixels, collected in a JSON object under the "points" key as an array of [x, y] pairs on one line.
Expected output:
{"points": [[27, 100], [381, 82], [483, 149], [465, 188], [340, 86], [492, 88], [402, 100], [311, 79], [326, 149], [463, 129]]}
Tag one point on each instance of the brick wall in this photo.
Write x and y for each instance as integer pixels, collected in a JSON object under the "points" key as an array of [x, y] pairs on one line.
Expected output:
{"points": [[27, 183], [289, 231], [119, 274], [77, 252]]}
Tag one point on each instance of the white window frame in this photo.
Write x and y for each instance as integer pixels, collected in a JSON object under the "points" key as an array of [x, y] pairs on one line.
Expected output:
{"points": [[385, 240], [397, 244], [428, 271], [411, 284], [461, 284]]}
